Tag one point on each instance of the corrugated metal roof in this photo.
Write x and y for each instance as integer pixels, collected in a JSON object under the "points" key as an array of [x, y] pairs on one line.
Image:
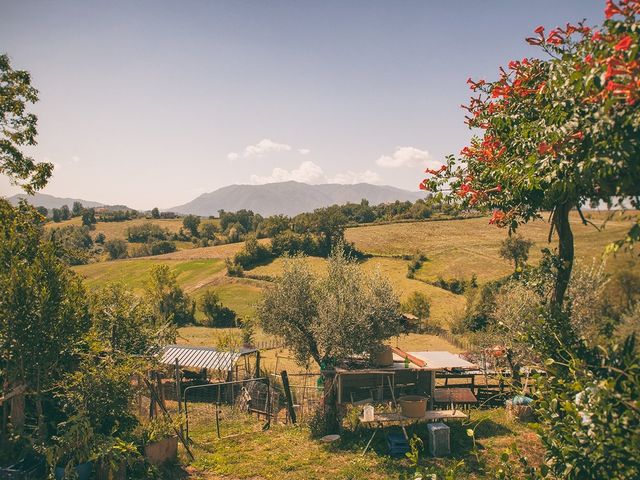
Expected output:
{"points": [[202, 357]]}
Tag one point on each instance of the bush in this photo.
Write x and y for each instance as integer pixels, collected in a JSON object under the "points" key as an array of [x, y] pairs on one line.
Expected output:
{"points": [[233, 269], [116, 248], [145, 232], [162, 246], [291, 243], [455, 285], [216, 314], [117, 215], [415, 264], [168, 300], [253, 253]]}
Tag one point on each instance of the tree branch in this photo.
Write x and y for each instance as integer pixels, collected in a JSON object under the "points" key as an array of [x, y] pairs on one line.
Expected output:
{"points": [[585, 221]]}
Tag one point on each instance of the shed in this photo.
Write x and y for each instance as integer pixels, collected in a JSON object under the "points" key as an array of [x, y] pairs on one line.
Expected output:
{"points": [[385, 383], [209, 359]]}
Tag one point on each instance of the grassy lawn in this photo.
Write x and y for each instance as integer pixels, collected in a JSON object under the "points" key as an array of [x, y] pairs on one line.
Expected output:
{"points": [[134, 273], [286, 451]]}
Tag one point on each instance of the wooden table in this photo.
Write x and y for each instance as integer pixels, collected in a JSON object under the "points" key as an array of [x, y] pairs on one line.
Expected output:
{"points": [[454, 396], [380, 419]]}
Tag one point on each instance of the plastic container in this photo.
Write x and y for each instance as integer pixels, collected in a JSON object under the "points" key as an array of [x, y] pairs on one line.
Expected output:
{"points": [[413, 406], [369, 413]]}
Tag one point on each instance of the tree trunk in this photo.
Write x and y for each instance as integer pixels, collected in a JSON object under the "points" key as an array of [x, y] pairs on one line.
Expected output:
{"points": [[515, 371], [42, 428], [565, 254]]}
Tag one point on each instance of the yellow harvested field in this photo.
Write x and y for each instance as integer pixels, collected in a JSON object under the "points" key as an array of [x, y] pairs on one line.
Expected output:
{"points": [[460, 248], [217, 251]]}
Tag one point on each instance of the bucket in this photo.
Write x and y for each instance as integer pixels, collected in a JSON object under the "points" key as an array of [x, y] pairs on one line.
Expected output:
{"points": [[413, 406], [383, 357]]}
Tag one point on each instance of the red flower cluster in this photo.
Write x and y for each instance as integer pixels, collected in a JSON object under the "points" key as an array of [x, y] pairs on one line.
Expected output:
{"points": [[497, 218], [488, 151], [624, 44], [627, 8], [558, 35], [443, 168]]}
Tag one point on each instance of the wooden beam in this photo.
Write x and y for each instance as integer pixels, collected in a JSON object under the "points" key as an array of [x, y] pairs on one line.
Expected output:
{"points": [[20, 389], [412, 358]]}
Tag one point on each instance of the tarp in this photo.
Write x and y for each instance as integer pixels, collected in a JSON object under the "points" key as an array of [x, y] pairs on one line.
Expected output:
{"points": [[439, 360]]}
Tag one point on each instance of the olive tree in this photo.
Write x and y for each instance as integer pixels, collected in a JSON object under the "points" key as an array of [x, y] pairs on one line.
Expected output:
{"points": [[330, 317]]}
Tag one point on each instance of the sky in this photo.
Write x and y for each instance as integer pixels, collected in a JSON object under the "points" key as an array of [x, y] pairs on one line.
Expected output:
{"points": [[152, 103]]}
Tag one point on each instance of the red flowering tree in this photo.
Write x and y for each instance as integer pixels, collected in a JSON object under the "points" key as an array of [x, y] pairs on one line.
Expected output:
{"points": [[556, 132]]}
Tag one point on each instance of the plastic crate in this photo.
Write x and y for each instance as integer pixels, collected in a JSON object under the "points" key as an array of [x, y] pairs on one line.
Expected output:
{"points": [[439, 438]]}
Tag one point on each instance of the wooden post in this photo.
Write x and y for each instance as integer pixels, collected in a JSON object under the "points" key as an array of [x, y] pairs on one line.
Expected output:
{"points": [[287, 393], [257, 373], [160, 389]]}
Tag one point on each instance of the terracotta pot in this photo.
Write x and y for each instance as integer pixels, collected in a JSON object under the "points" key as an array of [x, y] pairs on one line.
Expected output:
{"points": [[383, 357], [413, 406], [162, 451]]}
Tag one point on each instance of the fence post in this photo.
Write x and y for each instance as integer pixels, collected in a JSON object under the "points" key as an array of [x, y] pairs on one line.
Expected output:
{"points": [[287, 392]]}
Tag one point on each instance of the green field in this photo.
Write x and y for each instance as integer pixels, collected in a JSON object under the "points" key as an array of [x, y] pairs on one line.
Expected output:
{"points": [[194, 276], [455, 248]]}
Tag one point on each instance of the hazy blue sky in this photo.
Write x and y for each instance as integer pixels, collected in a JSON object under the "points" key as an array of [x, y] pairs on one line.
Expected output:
{"points": [[152, 103]]}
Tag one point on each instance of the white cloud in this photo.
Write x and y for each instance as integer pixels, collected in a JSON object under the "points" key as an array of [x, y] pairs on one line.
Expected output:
{"points": [[309, 172], [351, 177], [263, 147], [407, 157]]}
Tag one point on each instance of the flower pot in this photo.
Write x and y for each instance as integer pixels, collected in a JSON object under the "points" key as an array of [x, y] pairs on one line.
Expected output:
{"points": [[83, 471], [413, 406], [162, 451], [383, 357]]}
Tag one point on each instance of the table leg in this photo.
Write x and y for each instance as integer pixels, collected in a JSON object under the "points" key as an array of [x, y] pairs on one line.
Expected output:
{"points": [[375, 430]]}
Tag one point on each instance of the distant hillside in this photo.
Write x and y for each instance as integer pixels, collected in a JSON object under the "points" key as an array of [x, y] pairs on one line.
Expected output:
{"points": [[290, 198], [50, 201]]}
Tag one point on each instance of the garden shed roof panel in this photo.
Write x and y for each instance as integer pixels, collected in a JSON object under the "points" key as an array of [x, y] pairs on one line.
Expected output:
{"points": [[203, 357]]}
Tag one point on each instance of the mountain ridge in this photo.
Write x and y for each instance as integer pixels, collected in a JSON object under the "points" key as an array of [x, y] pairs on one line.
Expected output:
{"points": [[290, 198]]}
